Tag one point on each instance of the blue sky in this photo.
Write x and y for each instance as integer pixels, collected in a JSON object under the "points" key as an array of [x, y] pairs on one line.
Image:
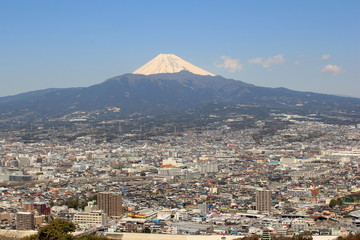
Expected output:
{"points": [[302, 45]]}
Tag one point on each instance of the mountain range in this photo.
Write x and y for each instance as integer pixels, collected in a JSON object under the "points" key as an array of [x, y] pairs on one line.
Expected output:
{"points": [[167, 84]]}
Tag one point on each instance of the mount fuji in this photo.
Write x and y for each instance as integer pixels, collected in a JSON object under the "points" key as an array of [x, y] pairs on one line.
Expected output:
{"points": [[169, 63], [166, 84]]}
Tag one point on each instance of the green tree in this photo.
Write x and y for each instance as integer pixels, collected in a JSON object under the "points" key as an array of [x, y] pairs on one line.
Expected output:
{"points": [[58, 229], [73, 203], [332, 203], [350, 237], [303, 236], [31, 237], [93, 197], [82, 205]]}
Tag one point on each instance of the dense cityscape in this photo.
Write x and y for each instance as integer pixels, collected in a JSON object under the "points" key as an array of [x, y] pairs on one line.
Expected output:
{"points": [[302, 177]]}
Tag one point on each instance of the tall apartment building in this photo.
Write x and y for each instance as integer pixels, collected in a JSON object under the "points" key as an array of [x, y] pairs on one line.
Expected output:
{"points": [[263, 200], [25, 221], [204, 208], [110, 203]]}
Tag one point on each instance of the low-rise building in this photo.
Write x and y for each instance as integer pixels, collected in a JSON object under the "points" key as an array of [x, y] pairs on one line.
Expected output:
{"points": [[95, 218]]}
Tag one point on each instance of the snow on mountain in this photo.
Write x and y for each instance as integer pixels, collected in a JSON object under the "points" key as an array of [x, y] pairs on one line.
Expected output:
{"points": [[169, 63]]}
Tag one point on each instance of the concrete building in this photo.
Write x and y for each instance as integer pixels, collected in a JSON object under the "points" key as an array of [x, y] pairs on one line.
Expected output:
{"points": [[95, 218], [263, 200], [204, 208], [110, 203], [208, 167], [41, 207], [25, 221]]}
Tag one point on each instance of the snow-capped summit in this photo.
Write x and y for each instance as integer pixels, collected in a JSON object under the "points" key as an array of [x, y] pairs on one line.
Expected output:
{"points": [[169, 63]]}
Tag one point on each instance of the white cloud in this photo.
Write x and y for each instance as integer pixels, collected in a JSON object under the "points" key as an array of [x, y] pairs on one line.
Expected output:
{"points": [[332, 69], [267, 62], [230, 64], [297, 62], [325, 57]]}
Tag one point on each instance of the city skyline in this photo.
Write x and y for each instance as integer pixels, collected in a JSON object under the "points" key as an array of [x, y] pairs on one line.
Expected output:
{"points": [[307, 46]]}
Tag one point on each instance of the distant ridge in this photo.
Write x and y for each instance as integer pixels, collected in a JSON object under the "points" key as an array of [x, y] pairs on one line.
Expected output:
{"points": [[142, 95], [169, 63], [165, 85]]}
